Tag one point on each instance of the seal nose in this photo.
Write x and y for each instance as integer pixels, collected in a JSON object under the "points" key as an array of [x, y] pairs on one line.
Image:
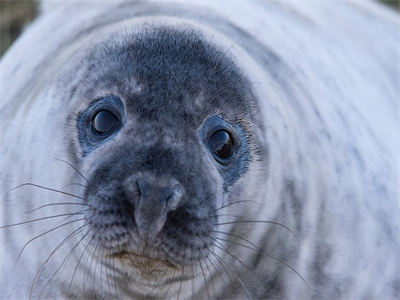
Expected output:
{"points": [[155, 199]]}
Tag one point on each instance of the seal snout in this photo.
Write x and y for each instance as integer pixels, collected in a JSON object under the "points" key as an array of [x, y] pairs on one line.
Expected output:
{"points": [[153, 199]]}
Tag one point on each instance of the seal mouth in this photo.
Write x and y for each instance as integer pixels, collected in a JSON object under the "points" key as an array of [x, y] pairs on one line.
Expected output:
{"points": [[143, 262], [151, 271]]}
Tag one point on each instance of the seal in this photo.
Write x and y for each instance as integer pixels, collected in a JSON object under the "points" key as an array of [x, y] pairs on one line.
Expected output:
{"points": [[207, 151]]}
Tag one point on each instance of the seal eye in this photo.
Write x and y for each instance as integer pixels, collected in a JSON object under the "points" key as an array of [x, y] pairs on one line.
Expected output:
{"points": [[104, 121], [221, 145]]}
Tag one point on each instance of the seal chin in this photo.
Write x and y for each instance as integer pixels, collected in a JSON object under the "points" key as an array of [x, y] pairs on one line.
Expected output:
{"points": [[147, 270]]}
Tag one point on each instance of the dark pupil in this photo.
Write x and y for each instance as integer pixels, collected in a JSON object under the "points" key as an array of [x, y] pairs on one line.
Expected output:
{"points": [[221, 144], [104, 121]]}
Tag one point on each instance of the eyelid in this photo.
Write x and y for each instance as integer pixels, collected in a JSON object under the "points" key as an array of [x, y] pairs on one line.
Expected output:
{"points": [[213, 124], [97, 107]]}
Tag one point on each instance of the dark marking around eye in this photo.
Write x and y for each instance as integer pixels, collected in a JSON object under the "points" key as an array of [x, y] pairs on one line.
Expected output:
{"points": [[99, 122], [227, 144]]}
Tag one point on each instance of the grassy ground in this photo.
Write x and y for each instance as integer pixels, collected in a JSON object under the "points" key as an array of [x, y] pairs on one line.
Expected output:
{"points": [[392, 3], [15, 14]]}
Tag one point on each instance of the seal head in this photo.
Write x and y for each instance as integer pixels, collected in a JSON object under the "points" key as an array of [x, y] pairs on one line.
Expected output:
{"points": [[166, 135]]}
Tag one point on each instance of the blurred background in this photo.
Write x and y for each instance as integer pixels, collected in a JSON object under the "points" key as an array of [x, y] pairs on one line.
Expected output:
{"points": [[16, 14]]}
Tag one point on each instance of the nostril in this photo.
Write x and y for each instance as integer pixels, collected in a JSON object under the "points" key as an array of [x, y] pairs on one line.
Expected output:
{"points": [[139, 187], [166, 193], [174, 200]]}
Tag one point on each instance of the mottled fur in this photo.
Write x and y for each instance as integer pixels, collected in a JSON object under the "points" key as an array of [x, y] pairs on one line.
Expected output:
{"points": [[309, 89]]}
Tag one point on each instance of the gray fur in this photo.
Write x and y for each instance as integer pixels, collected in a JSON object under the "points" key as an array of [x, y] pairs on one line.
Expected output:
{"points": [[313, 107]]}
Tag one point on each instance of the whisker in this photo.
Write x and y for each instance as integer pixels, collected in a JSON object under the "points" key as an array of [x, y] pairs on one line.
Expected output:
{"points": [[236, 243], [274, 258], [235, 43], [222, 215], [44, 233], [40, 219], [235, 236], [126, 279], [236, 202], [80, 258], [169, 286], [106, 273], [204, 200], [88, 257], [159, 281], [219, 259], [242, 263], [193, 274], [233, 256], [110, 261], [209, 272], [170, 283], [65, 260], [76, 231], [157, 284], [291, 268], [154, 269], [205, 281], [102, 277], [72, 166], [246, 289], [95, 265], [129, 257], [77, 184], [69, 217], [45, 188], [57, 203], [258, 221], [180, 286], [115, 279], [218, 63]]}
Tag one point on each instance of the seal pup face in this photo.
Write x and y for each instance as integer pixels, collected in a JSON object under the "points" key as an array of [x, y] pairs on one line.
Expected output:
{"points": [[161, 136]]}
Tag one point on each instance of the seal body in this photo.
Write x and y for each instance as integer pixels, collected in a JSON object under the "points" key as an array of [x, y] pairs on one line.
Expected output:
{"points": [[209, 150]]}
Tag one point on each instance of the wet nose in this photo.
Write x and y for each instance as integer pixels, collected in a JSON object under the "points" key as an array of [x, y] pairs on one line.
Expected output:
{"points": [[154, 200]]}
